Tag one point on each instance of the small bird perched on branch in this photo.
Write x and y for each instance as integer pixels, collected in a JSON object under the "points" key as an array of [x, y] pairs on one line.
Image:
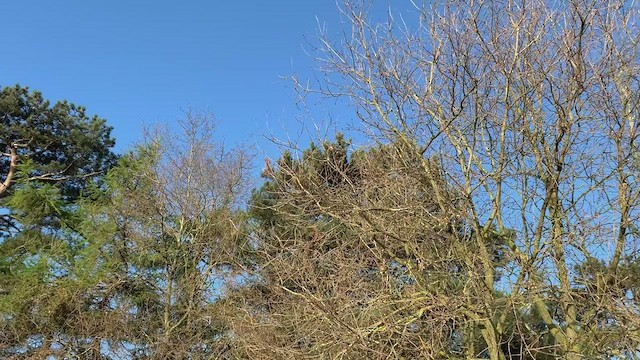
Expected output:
{"points": [[268, 171]]}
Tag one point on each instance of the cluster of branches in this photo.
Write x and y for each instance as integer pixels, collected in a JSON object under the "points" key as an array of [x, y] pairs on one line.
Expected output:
{"points": [[498, 216], [359, 260], [493, 215]]}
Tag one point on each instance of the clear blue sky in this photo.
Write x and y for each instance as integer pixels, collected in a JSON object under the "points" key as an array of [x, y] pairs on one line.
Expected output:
{"points": [[142, 61]]}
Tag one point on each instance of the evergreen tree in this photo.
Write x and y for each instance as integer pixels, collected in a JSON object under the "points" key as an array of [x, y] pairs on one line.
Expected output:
{"points": [[51, 155], [141, 273], [356, 259]]}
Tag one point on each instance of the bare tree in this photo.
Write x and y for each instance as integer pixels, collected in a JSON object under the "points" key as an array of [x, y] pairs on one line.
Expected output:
{"points": [[181, 231], [357, 258], [519, 118]]}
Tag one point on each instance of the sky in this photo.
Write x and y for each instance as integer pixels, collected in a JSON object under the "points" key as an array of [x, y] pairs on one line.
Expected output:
{"points": [[144, 62]]}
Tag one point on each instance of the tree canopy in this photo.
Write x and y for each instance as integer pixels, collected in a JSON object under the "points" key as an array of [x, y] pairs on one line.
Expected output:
{"points": [[52, 154], [56, 143], [491, 212]]}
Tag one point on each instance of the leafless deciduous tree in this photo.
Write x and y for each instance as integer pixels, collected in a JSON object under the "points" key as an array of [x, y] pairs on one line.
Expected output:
{"points": [[179, 232], [499, 217]]}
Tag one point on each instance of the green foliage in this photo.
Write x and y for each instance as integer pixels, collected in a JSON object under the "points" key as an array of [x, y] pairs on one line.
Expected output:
{"points": [[61, 141], [134, 266], [45, 291]]}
